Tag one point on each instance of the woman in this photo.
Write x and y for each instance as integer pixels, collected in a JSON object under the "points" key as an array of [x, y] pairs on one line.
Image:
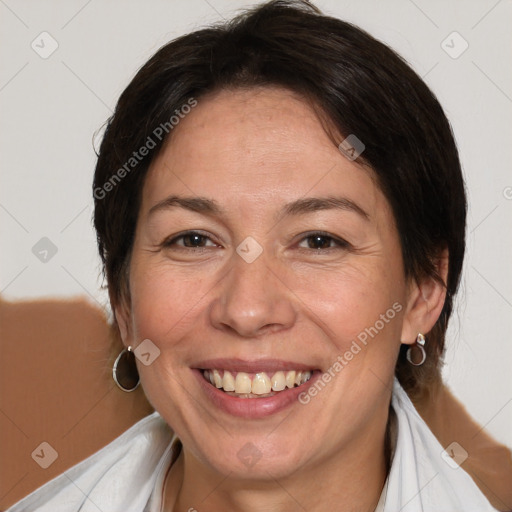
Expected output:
{"points": [[280, 210]]}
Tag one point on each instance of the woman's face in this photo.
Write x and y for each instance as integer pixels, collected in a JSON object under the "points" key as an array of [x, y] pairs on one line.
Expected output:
{"points": [[260, 250]]}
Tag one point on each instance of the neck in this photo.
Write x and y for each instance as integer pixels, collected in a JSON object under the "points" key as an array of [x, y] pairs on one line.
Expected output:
{"points": [[349, 480]]}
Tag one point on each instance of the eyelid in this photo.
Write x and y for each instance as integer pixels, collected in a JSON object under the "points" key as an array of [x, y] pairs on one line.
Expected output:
{"points": [[340, 243], [336, 239], [169, 241]]}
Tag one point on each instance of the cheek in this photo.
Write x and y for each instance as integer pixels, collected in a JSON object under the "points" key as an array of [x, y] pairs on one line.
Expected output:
{"points": [[165, 301], [351, 300]]}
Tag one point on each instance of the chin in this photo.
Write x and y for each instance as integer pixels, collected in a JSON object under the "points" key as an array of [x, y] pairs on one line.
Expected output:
{"points": [[256, 458]]}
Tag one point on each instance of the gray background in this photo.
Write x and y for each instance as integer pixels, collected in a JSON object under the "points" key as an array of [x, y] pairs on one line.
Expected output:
{"points": [[50, 109]]}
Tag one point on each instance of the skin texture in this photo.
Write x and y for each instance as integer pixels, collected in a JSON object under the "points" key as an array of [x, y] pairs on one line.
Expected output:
{"points": [[77, 338], [252, 152], [56, 355]]}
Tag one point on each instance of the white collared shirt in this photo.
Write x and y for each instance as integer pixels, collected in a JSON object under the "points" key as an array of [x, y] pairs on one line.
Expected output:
{"points": [[128, 474]]}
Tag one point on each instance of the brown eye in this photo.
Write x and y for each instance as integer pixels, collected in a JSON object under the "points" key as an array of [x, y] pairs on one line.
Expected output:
{"points": [[194, 240], [319, 242], [191, 240], [322, 241]]}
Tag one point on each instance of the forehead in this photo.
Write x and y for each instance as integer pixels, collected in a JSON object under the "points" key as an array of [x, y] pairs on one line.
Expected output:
{"points": [[241, 145]]}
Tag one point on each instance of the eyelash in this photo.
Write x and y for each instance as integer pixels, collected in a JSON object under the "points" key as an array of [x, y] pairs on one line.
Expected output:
{"points": [[172, 241], [339, 242]]}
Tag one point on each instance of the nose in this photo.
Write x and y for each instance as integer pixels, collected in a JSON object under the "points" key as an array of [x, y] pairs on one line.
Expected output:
{"points": [[252, 300]]}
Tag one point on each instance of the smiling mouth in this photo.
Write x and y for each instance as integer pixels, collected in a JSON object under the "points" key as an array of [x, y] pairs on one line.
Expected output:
{"points": [[255, 385]]}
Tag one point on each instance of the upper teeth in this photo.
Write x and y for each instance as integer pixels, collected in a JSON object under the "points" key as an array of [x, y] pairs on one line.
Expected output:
{"points": [[259, 383]]}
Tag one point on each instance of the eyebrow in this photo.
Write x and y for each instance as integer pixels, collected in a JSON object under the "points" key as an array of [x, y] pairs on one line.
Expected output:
{"points": [[299, 207], [313, 204], [195, 204]]}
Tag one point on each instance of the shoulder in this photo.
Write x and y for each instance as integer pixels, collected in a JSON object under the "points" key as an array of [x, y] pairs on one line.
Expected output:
{"points": [[56, 366], [120, 476], [488, 462], [423, 475]]}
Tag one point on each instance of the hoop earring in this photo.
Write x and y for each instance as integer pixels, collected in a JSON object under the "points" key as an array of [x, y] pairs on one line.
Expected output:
{"points": [[420, 343], [124, 371]]}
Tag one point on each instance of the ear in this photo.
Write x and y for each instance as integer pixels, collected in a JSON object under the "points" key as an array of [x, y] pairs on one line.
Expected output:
{"points": [[425, 302], [123, 319]]}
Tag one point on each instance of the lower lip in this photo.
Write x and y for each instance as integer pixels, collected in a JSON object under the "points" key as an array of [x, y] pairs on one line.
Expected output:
{"points": [[253, 407]]}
